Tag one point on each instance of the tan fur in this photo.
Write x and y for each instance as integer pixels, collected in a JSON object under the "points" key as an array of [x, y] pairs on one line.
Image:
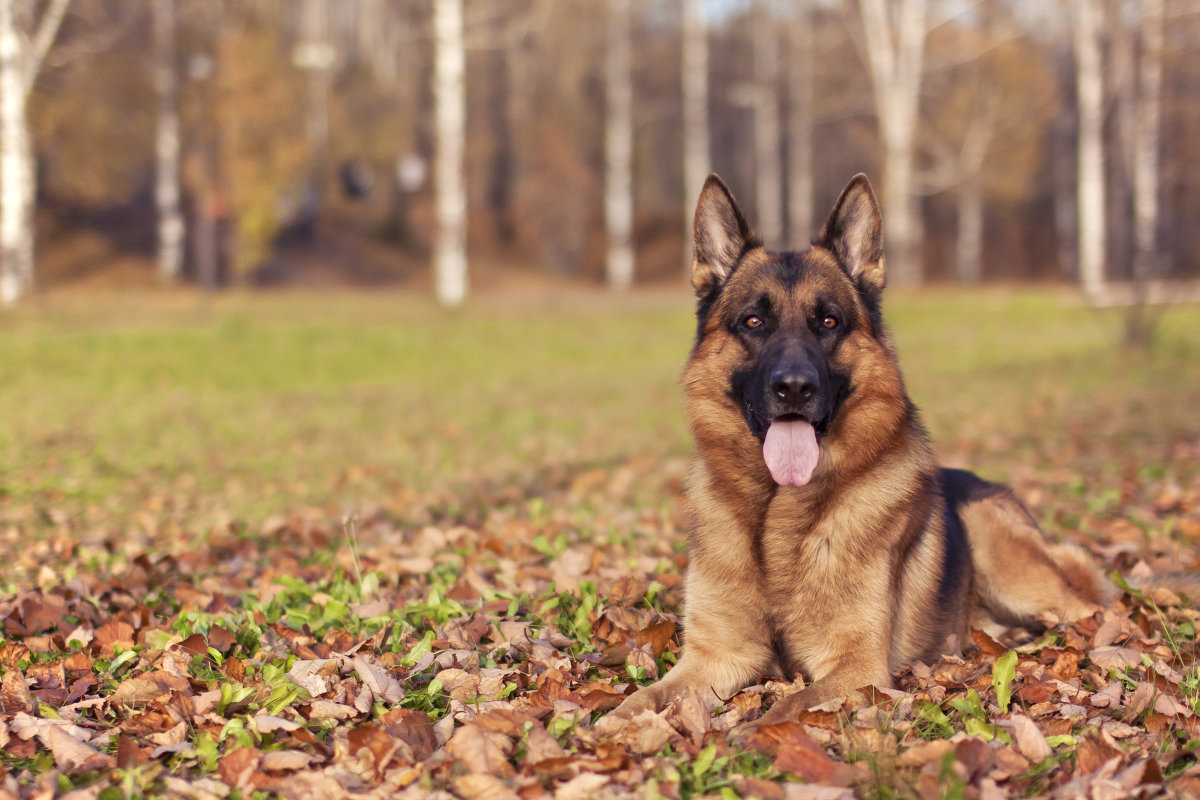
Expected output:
{"points": [[840, 579]]}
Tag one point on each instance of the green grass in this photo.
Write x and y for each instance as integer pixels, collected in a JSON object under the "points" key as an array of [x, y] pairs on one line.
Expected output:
{"points": [[201, 411]]}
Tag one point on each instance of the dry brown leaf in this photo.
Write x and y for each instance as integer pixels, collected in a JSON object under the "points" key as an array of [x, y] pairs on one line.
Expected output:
{"points": [[113, 634], [802, 756], [266, 723], [481, 751], [541, 746], [194, 645], [66, 742], [136, 692], [1114, 657], [14, 693], [315, 675], [657, 636], [327, 709], [286, 760], [922, 754], [1029, 738], [379, 680], [480, 786], [238, 766], [1093, 754], [644, 734], [414, 729]]}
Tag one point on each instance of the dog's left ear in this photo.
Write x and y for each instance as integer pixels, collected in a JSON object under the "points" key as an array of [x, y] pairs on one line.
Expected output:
{"points": [[854, 232]]}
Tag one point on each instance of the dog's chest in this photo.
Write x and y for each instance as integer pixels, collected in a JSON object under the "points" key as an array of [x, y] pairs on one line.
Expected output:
{"points": [[811, 560]]}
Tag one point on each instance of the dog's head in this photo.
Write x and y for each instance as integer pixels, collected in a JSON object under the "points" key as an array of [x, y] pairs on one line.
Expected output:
{"points": [[788, 337]]}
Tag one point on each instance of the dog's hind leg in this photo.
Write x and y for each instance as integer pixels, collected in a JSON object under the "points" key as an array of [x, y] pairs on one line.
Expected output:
{"points": [[1018, 576]]}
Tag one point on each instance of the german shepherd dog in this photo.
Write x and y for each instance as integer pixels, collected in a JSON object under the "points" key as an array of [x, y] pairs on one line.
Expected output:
{"points": [[826, 540]]}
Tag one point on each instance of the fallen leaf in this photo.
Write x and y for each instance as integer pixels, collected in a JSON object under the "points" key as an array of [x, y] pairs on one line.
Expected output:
{"points": [[14, 693], [480, 751], [113, 634], [237, 767], [286, 760], [800, 755], [1114, 657], [1029, 738], [380, 680], [479, 786], [265, 723]]}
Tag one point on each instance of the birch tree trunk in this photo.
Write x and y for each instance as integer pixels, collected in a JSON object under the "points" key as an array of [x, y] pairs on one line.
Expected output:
{"points": [[977, 141], [969, 241], [166, 146], [697, 142], [16, 241], [1063, 137], [801, 183], [767, 165], [1147, 128], [895, 34], [449, 95], [618, 146], [1091, 148], [20, 61]]}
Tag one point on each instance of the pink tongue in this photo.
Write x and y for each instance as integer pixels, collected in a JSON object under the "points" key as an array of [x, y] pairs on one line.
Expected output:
{"points": [[791, 452]]}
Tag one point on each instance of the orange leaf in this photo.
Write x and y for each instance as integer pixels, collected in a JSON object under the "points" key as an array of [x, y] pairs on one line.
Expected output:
{"points": [[802, 756]]}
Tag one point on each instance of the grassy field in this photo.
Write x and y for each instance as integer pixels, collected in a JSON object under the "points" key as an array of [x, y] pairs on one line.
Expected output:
{"points": [[241, 436], [237, 408]]}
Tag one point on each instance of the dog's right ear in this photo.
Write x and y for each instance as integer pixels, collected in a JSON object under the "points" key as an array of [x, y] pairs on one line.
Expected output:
{"points": [[719, 236]]}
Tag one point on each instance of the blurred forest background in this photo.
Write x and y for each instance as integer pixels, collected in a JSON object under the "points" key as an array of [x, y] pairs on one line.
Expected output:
{"points": [[383, 142]]}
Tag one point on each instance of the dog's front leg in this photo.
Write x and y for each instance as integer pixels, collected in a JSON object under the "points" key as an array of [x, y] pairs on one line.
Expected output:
{"points": [[726, 648], [850, 653]]}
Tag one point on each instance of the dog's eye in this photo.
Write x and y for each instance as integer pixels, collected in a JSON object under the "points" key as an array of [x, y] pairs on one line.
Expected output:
{"points": [[829, 322], [753, 321]]}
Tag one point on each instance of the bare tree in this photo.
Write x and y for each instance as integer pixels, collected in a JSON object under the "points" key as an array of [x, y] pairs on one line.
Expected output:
{"points": [[767, 163], [1090, 97], [801, 183], [697, 146], [167, 145], [894, 32], [20, 61], [449, 92], [618, 146], [1147, 125]]}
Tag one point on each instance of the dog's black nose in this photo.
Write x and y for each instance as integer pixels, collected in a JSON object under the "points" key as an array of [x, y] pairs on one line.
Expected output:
{"points": [[792, 386]]}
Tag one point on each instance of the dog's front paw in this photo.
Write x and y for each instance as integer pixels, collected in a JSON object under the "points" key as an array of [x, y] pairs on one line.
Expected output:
{"points": [[639, 701]]}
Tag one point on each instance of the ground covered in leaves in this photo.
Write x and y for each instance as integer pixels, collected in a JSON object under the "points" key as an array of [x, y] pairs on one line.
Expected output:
{"points": [[203, 620]]}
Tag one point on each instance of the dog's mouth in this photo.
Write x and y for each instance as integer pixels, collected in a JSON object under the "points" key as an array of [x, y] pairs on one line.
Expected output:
{"points": [[790, 449]]}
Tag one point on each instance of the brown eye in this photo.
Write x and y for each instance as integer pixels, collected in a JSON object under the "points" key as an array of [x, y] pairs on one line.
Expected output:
{"points": [[753, 321], [830, 322]]}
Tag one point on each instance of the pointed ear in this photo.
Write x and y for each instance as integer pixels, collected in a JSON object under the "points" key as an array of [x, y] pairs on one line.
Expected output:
{"points": [[854, 232], [719, 235]]}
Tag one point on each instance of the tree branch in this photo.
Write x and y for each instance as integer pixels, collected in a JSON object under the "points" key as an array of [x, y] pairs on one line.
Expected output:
{"points": [[43, 37]]}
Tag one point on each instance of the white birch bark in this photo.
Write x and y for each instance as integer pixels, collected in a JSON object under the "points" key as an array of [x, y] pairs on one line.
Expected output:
{"points": [[1089, 79], [1146, 136], [449, 93], [801, 183], [618, 146], [166, 146], [697, 140], [977, 141], [16, 245], [895, 33], [767, 165], [20, 62]]}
